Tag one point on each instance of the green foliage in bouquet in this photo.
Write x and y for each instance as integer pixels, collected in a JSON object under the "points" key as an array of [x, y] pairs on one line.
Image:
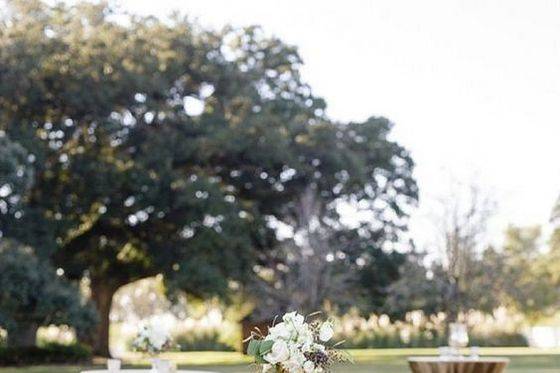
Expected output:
{"points": [[258, 349]]}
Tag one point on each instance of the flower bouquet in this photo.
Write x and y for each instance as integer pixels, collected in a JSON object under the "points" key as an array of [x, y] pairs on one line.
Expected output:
{"points": [[154, 339], [295, 346]]}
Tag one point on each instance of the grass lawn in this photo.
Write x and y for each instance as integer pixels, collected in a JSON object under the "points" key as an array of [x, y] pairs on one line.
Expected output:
{"points": [[523, 360]]}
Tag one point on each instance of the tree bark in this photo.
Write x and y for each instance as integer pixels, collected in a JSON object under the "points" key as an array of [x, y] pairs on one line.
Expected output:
{"points": [[102, 296], [25, 335]]}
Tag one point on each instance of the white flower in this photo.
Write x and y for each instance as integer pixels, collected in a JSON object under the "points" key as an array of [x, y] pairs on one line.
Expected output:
{"points": [[296, 359], [326, 332], [305, 335], [308, 367], [318, 347], [296, 356], [158, 338], [294, 319], [280, 331], [279, 352], [152, 338]]}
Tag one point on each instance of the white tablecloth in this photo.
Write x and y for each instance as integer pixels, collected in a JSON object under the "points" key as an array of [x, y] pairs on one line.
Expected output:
{"points": [[143, 371]]}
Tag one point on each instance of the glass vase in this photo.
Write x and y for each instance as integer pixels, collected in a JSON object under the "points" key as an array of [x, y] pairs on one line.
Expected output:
{"points": [[161, 365], [458, 335]]}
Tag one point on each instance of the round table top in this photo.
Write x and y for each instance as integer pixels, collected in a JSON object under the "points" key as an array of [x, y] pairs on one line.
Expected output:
{"points": [[457, 359], [142, 371], [457, 364]]}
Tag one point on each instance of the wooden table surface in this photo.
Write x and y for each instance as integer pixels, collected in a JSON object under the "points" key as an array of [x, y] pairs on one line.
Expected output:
{"points": [[457, 365]]}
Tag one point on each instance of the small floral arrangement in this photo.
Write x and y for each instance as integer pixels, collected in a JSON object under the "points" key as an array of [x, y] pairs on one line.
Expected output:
{"points": [[295, 346], [152, 339]]}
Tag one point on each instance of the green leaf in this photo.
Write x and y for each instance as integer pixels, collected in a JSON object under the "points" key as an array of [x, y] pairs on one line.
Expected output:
{"points": [[265, 347], [253, 347]]}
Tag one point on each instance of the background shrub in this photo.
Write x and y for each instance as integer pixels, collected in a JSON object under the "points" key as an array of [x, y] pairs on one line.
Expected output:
{"points": [[499, 339], [205, 341], [419, 330], [196, 340], [48, 354], [34, 295]]}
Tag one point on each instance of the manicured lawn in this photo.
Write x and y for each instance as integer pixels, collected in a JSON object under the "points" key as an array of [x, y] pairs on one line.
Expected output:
{"points": [[523, 360]]}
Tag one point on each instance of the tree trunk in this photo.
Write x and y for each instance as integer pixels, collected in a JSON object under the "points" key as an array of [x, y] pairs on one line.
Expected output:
{"points": [[102, 296], [25, 335]]}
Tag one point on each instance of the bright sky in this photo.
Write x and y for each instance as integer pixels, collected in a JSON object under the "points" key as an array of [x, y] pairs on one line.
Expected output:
{"points": [[473, 86]]}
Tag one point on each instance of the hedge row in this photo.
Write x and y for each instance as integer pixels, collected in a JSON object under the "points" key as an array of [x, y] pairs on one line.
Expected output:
{"points": [[48, 354]]}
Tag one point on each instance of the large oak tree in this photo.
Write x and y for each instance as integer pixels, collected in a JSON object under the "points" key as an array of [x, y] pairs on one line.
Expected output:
{"points": [[163, 148]]}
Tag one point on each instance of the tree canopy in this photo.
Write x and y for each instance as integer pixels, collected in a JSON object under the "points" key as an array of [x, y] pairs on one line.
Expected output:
{"points": [[141, 147]]}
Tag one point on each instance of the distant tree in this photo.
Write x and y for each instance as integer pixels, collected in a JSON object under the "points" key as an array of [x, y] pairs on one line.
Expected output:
{"points": [[552, 262], [462, 219], [418, 288], [529, 276], [463, 273], [327, 260], [33, 295], [521, 275]]}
